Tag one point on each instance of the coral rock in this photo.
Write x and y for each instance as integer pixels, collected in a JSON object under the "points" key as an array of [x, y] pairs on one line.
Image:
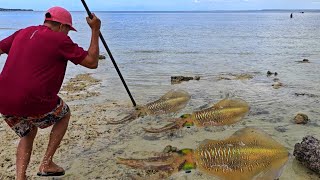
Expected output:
{"points": [[301, 119], [308, 153]]}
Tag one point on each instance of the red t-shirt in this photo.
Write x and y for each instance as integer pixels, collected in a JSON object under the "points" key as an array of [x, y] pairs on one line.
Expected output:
{"points": [[34, 70]]}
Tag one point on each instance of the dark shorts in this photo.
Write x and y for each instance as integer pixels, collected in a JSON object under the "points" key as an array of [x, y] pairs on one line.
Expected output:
{"points": [[23, 125]]}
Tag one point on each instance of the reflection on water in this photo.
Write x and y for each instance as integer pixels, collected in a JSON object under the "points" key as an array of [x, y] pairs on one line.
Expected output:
{"points": [[151, 47]]}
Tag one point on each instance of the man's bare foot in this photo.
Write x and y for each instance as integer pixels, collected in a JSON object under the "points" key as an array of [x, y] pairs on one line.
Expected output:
{"points": [[50, 167]]}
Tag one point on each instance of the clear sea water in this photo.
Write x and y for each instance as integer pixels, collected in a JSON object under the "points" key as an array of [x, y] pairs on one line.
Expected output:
{"points": [[151, 47]]}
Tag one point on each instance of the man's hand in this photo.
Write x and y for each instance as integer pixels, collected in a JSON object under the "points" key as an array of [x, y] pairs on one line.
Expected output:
{"points": [[94, 23]]}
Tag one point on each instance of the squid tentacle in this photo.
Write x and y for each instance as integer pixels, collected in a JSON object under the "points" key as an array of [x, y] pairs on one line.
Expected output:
{"points": [[160, 163], [167, 127], [128, 118]]}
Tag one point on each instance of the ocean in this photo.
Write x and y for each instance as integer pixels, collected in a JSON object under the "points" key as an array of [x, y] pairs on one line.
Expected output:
{"points": [[150, 47]]}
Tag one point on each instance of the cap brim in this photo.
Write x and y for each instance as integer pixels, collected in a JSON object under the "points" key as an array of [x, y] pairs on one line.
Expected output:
{"points": [[73, 29]]}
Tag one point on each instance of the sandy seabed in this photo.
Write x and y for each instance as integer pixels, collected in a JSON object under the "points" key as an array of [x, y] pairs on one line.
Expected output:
{"points": [[90, 146]]}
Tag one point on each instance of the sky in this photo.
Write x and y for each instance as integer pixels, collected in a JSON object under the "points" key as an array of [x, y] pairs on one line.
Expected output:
{"points": [[162, 5]]}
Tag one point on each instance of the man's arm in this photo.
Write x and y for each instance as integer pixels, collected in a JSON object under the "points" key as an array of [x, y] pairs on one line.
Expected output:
{"points": [[5, 44], [91, 60]]}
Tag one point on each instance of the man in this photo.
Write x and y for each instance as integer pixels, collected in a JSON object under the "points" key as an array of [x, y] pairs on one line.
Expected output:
{"points": [[31, 79]]}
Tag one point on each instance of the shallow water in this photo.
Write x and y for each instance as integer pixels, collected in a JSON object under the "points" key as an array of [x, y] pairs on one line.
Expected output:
{"points": [[151, 47]]}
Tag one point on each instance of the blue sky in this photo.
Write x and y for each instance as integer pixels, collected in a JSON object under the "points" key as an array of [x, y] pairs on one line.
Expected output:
{"points": [[166, 5]]}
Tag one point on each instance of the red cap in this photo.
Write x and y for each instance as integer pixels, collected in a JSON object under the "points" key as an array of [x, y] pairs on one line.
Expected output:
{"points": [[61, 15]]}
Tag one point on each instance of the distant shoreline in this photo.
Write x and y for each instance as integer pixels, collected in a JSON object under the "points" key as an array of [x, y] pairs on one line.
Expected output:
{"points": [[4, 9], [188, 11], [216, 11]]}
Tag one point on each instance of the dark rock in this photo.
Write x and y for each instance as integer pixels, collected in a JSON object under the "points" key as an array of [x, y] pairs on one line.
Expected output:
{"points": [[259, 112], [169, 149], [269, 73], [306, 94], [197, 78], [308, 153], [304, 61], [301, 119], [276, 80], [102, 57], [179, 79], [281, 129]]}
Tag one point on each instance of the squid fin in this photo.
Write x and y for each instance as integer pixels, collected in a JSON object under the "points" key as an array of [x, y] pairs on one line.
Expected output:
{"points": [[229, 103], [255, 135], [271, 173], [175, 94]]}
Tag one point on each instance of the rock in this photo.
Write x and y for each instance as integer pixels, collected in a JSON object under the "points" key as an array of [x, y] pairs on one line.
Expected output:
{"points": [[281, 129], [197, 78], [308, 153], [243, 77], [169, 149], [224, 78], [231, 76], [179, 79], [276, 80], [102, 56], [301, 119], [277, 85], [304, 61], [269, 73], [306, 94]]}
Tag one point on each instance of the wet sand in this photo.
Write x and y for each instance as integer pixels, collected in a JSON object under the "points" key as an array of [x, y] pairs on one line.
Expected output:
{"points": [[90, 146]]}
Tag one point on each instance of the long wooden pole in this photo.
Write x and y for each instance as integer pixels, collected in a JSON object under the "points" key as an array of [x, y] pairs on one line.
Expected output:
{"points": [[110, 55]]}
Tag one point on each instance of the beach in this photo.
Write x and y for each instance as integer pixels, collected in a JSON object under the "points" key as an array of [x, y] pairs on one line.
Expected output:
{"points": [[230, 52], [91, 145]]}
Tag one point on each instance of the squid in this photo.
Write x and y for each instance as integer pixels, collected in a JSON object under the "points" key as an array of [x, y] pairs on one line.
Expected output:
{"points": [[171, 102], [225, 112], [249, 153]]}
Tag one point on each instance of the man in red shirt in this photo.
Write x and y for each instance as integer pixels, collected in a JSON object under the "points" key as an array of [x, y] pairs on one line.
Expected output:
{"points": [[32, 77]]}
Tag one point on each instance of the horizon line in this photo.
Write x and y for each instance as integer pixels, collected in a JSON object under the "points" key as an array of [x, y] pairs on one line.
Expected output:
{"points": [[252, 10]]}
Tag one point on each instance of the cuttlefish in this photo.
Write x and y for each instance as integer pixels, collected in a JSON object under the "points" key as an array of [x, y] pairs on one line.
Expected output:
{"points": [[249, 153], [171, 102], [225, 112]]}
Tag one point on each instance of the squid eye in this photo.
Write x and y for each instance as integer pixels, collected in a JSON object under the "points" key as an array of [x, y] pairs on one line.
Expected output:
{"points": [[141, 114], [185, 151], [188, 124], [188, 166], [183, 116]]}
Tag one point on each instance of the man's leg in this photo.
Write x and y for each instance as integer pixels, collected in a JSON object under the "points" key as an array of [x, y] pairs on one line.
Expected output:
{"points": [[24, 153], [56, 135]]}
